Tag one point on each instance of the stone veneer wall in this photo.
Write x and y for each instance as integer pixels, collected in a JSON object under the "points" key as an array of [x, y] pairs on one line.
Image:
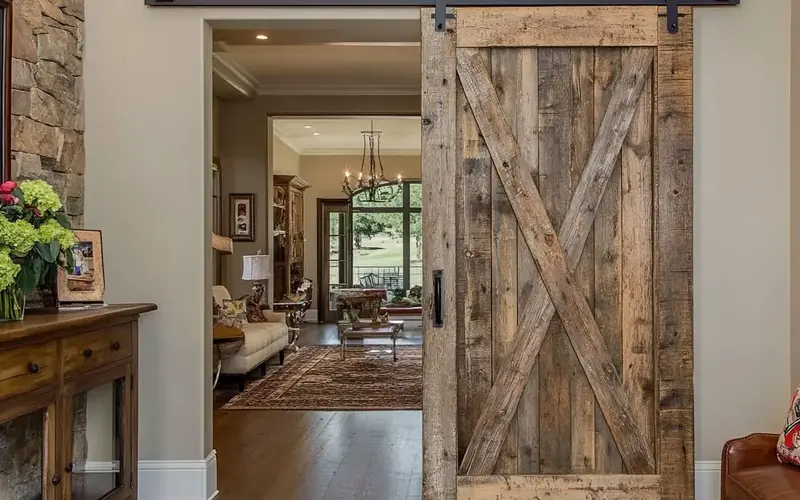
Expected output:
{"points": [[47, 101]]}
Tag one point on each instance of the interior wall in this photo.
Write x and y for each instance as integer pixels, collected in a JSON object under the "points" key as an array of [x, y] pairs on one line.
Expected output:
{"points": [[243, 155], [285, 160], [325, 174], [795, 192], [741, 222]]}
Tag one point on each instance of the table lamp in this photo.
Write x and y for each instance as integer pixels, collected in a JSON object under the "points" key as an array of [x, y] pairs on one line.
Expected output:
{"points": [[256, 268]]}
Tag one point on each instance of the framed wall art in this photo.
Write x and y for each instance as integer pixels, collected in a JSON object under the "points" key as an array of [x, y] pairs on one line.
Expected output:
{"points": [[243, 219], [86, 283]]}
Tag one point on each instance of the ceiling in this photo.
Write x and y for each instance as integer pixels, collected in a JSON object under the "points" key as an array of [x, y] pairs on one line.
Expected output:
{"points": [[342, 135], [352, 57]]}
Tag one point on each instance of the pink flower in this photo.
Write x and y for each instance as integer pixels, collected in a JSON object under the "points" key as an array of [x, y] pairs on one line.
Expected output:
{"points": [[8, 199], [7, 187]]}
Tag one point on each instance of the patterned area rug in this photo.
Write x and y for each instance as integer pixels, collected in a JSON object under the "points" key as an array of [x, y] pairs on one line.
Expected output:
{"points": [[316, 378]]}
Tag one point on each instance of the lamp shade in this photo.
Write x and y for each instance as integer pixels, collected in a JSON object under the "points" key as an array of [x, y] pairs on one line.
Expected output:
{"points": [[221, 243], [255, 267]]}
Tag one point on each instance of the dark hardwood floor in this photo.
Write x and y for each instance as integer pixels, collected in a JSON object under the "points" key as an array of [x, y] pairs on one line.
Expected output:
{"points": [[308, 455]]}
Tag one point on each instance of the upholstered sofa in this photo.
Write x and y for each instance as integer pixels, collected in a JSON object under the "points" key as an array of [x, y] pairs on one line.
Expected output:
{"points": [[262, 341], [751, 471]]}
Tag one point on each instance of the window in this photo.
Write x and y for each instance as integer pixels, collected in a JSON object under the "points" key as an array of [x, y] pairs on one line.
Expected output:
{"points": [[387, 240]]}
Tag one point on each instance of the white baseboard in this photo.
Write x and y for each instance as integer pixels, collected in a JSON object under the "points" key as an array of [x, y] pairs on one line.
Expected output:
{"points": [[706, 480], [312, 316], [178, 479]]}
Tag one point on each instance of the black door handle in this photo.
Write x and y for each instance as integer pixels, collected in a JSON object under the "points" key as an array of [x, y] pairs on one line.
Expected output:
{"points": [[438, 313]]}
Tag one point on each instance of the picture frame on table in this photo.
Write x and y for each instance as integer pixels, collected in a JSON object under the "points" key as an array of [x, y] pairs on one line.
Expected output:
{"points": [[86, 284], [242, 217]]}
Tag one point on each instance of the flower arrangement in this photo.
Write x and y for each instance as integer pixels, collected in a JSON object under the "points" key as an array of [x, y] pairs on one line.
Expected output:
{"points": [[35, 240]]}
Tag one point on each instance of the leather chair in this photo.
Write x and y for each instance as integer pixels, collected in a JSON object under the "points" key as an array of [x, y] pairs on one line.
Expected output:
{"points": [[751, 471]]}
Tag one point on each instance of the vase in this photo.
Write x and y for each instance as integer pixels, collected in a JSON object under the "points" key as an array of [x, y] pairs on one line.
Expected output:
{"points": [[12, 304]]}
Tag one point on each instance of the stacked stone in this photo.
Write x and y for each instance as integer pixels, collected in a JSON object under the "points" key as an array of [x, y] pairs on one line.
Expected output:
{"points": [[47, 100]]}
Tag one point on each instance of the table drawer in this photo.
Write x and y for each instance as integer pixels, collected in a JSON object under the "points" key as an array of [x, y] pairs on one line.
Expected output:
{"points": [[25, 369], [94, 349]]}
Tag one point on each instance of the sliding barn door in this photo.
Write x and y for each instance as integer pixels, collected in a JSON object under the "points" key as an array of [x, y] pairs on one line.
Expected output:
{"points": [[557, 172]]}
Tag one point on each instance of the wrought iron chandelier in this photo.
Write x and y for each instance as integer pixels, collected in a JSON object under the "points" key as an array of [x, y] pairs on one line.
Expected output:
{"points": [[373, 183]]}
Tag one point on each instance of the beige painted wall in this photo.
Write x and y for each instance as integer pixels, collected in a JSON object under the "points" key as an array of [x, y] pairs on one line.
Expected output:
{"points": [[285, 161], [741, 222], [243, 155], [795, 193], [325, 174], [148, 141]]}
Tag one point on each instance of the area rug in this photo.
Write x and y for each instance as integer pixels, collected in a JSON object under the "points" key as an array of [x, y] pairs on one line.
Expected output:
{"points": [[316, 378]]}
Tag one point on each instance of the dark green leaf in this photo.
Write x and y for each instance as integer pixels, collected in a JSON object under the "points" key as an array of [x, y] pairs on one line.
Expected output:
{"points": [[55, 249], [46, 252], [70, 261], [17, 193], [62, 219], [30, 274]]}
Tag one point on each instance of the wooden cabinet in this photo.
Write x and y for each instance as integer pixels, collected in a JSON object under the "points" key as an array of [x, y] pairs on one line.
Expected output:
{"points": [[68, 405], [289, 256]]}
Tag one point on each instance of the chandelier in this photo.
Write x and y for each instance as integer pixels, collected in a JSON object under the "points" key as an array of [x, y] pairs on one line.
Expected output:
{"points": [[373, 182]]}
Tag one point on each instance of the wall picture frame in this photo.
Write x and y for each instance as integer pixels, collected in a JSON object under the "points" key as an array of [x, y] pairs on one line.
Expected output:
{"points": [[242, 216], [86, 284]]}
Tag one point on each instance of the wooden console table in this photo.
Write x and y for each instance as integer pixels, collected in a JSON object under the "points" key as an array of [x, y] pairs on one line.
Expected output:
{"points": [[68, 404]]}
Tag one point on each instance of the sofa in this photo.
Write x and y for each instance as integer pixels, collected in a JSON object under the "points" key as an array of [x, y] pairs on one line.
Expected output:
{"points": [[751, 471], [262, 341]]}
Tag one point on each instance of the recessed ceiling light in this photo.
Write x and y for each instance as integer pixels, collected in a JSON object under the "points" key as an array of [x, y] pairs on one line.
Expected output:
{"points": [[262, 37], [306, 126], [315, 133]]}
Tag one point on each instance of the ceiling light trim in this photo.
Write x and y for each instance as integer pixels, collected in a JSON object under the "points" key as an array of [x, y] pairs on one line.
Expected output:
{"points": [[339, 90]]}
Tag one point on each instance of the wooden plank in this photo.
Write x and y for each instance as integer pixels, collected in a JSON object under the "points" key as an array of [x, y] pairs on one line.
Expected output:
{"points": [[574, 487], [556, 355], [550, 255], [504, 253], [557, 26], [439, 397], [673, 259], [527, 133], [608, 260], [637, 255], [474, 265], [582, 136]]}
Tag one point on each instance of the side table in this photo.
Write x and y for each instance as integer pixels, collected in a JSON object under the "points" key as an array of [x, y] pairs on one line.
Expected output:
{"points": [[295, 316]]}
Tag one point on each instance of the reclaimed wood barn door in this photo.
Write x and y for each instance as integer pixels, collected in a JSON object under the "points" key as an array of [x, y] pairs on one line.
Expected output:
{"points": [[557, 175]]}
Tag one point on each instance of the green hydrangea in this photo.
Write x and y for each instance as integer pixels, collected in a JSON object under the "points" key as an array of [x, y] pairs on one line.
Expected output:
{"points": [[19, 236], [40, 195], [52, 230], [8, 269]]}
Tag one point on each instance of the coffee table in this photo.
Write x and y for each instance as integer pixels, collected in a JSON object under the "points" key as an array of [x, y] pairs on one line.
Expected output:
{"points": [[389, 331]]}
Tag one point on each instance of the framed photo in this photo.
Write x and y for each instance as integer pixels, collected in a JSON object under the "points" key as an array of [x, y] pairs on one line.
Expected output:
{"points": [[243, 219], [86, 283]]}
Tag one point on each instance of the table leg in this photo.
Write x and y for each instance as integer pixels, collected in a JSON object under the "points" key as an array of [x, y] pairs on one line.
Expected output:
{"points": [[394, 346], [343, 343], [294, 334]]}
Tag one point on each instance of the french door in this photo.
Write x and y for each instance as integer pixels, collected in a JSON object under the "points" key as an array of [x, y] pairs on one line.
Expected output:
{"points": [[333, 253], [557, 251]]}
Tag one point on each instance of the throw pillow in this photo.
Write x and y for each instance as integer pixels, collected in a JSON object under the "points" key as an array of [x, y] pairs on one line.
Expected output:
{"points": [[233, 313], [789, 440], [254, 314]]}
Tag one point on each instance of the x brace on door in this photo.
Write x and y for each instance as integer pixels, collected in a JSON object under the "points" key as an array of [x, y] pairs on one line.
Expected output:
{"points": [[440, 13]]}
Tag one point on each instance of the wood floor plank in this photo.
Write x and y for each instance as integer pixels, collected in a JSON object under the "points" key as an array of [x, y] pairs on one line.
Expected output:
{"points": [[572, 487], [504, 252], [608, 259], [555, 368]]}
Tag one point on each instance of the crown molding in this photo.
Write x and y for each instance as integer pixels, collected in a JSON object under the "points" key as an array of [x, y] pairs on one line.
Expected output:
{"points": [[339, 90], [236, 76], [358, 152], [280, 133]]}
